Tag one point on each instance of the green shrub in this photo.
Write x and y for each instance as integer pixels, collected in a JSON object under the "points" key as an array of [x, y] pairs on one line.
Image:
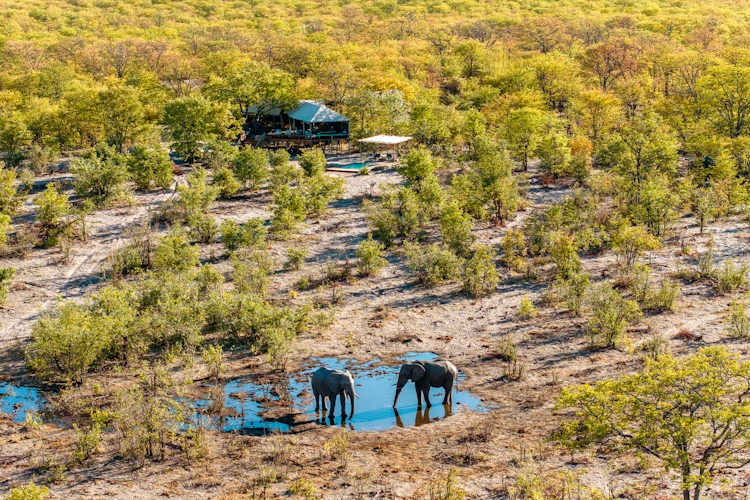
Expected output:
{"points": [[514, 248], [629, 243], [10, 197], [203, 229], [89, 440], [195, 199], [731, 277], [480, 276], [213, 356], [433, 264], [739, 323], [289, 210], [611, 316], [455, 227], [313, 162], [150, 168], [28, 492], [6, 278], [52, 208], [101, 175], [251, 167], [562, 249], [251, 234], [370, 255], [526, 308], [399, 214], [573, 290], [66, 344], [251, 271], [295, 258], [174, 252], [126, 261], [665, 298], [226, 182], [318, 191], [418, 165]]}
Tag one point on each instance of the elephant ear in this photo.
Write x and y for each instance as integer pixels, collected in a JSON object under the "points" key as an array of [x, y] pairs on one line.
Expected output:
{"points": [[417, 372]]}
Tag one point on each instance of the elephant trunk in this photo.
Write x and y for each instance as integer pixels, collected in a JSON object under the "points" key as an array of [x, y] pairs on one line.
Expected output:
{"points": [[352, 394], [398, 391]]}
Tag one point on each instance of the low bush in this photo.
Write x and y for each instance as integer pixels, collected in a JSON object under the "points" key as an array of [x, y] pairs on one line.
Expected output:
{"points": [[480, 276], [739, 323], [28, 492], [250, 234], [6, 278], [433, 264], [226, 182], [295, 258], [526, 308], [370, 255], [611, 316], [572, 291], [730, 277], [174, 252]]}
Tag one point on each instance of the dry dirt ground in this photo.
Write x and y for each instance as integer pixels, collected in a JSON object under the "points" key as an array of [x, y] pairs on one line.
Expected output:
{"points": [[381, 317]]}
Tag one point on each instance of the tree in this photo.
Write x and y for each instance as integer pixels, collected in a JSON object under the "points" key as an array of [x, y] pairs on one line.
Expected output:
{"points": [[638, 150], [193, 121], [123, 116], [479, 274], [596, 112], [370, 255], [521, 132], [553, 151], [725, 91], [254, 84], [692, 414], [14, 136]]}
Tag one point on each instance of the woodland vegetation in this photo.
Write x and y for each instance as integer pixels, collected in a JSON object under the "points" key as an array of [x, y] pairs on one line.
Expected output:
{"points": [[640, 109]]}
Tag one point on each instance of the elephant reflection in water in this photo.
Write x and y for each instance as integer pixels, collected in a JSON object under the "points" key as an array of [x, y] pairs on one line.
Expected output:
{"points": [[330, 421], [422, 416]]}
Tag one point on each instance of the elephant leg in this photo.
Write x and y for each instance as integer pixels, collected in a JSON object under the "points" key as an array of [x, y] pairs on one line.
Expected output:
{"points": [[426, 391], [332, 398], [316, 394], [448, 392], [419, 395], [343, 405]]}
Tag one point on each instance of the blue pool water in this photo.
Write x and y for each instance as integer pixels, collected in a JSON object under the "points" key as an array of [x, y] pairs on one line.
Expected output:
{"points": [[349, 166]]}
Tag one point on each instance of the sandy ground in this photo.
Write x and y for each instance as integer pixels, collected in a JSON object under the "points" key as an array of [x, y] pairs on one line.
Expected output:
{"points": [[487, 450]]}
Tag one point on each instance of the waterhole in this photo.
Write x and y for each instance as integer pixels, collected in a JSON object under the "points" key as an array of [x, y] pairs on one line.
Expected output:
{"points": [[254, 408], [17, 401]]}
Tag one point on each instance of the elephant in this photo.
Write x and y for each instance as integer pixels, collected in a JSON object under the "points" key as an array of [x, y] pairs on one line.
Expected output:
{"points": [[426, 374], [332, 383]]}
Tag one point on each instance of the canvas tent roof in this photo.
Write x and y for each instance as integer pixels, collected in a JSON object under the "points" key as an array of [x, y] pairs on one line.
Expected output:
{"points": [[315, 112], [385, 139]]}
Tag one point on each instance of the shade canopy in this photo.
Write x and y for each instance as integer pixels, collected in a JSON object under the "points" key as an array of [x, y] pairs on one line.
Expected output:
{"points": [[315, 112], [385, 139]]}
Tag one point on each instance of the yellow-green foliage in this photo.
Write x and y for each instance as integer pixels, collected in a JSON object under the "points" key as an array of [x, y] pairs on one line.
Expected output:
{"points": [[690, 413]]}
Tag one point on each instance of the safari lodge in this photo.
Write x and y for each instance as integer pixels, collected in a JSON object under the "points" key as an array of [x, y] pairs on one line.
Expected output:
{"points": [[309, 124]]}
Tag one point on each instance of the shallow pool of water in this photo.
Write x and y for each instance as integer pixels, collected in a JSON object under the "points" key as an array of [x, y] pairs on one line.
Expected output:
{"points": [[292, 402], [348, 166], [19, 400]]}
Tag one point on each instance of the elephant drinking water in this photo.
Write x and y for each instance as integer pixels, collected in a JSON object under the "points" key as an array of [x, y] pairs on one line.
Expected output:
{"points": [[332, 383], [426, 374]]}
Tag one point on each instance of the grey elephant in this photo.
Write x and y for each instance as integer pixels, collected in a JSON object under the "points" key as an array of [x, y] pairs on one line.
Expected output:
{"points": [[426, 374], [331, 383]]}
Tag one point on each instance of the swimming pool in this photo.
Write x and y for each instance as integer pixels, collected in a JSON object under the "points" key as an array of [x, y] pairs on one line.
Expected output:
{"points": [[355, 167]]}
